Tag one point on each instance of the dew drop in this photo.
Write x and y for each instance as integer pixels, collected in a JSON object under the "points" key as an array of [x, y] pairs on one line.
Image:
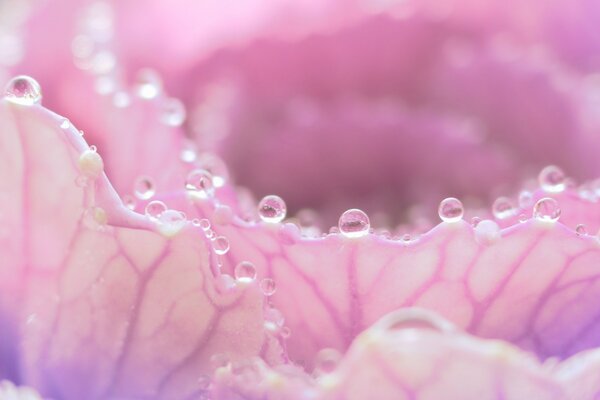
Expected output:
{"points": [[154, 209], [487, 232], [204, 224], [90, 163], [523, 218], [220, 245], [199, 182], [272, 209], [546, 209], [285, 332], [148, 84], [129, 202], [411, 318], [173, 113], [451, 210], [215, 166], [354, 223], [581, 230], [503, 208], [475, 221], [170, 222], [245, 272], [406, 238], [268, 287], [525, 199], [143, 188], [326, 361], [23, 90], [552, 179]]}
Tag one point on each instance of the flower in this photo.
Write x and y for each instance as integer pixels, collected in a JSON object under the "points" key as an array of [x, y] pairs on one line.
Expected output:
{"points": [[140, 269]]}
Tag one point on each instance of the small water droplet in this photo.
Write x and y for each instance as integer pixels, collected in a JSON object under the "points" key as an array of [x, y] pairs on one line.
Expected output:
{"points": [[326, 361], [154, 209], [199, 182], [451, 210], [129, 202], [411, 318], [23, 90], [523, 218], [525, 199], [503, 208], [268, 287], [170, 222], [552, 179], [546, 209], [487, 232], [272, 209], [581, 230], [354, 223], [65, 124], [475, 221], [285, 332], [173, 113], [245, 271], [215, 166], [143, 188], [220, 245], [148, 84]]}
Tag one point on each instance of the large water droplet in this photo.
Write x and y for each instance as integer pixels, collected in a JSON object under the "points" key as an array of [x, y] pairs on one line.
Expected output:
{"points": [[170, 222], [215, 166], [268, 286], [143, 188], [173, 113], [552, 179], [272, 209], [23, 90], [354, 223], [245, 271], [220, 245], [546, 209], [487, 232], [154, 209], [503, 208], [199, 182], [451, 210]]}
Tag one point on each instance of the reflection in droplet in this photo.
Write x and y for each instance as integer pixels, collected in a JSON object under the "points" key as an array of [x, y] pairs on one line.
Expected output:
{"points": [[503, 208], [23, 90], [552, 179], [354, 223], [199, 182], [268, 287], [451, 210], [547, 209], [154, 209], [272, 209], [245, 271], [220, 245], [143, 188]]}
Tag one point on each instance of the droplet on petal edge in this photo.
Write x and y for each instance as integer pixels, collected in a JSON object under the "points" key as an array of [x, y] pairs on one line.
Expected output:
{"points": [[272, 209], [354, 223], [451, 210], [143, 188], [547, 209], [552, 179], [23, 90], [245, 271]]}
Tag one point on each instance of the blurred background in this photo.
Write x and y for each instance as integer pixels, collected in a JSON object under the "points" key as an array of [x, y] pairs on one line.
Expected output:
{"points": [[386, 105]]}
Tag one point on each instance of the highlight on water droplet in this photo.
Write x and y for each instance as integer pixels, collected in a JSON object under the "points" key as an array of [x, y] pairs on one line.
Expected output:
{"points": [[581, 230], [503, 208], [552, 179], [451, 210], [268, 287], [23, 90], [245, 271], [173, 113], [154, 209], [326, 361], [354, 223], [129, 202], [525, 199], [143, 188], [65, 123], [199, 183], [546, 209], [220, 245], [148, 84], [215, 166], [272, 209]]}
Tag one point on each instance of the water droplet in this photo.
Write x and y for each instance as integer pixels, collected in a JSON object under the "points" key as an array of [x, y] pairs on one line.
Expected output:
{"points": [[475, 221], [411, 318], [552, 179], [546, 209], [268, 287], [285, 332], [148, 84], [245, 271], [354, 223], [23, 90], [173, 113], [326, 361], [204, 224], [170, 222], [523, 218], [275, 316], [143, 188], [503, 208], [199, 182], [487, 232], [220, 245], [154, 209], [90, 163], [451, 210], [65, 124], [406, 238], [215, 166], [272, 209], [525, 199], [581, 230], [129, 202]]}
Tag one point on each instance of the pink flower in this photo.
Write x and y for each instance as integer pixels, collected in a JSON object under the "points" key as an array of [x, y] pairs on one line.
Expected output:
{"points": [[146, 268]]}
